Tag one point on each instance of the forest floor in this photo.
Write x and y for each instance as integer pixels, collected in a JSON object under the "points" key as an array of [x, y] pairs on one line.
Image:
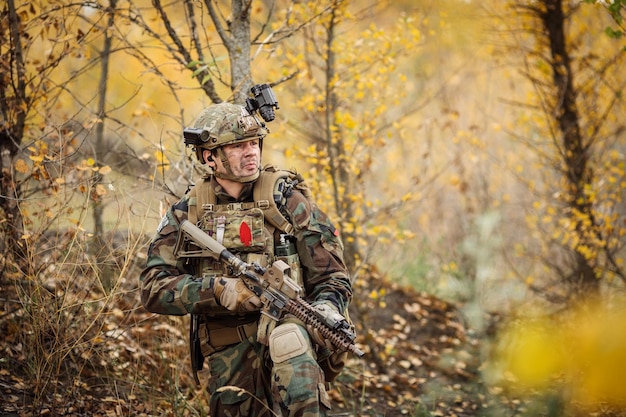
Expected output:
{"points": [[421, 360]]}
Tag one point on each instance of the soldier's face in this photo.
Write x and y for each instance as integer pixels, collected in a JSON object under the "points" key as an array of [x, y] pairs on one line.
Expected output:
{"points": [[244, 158]]}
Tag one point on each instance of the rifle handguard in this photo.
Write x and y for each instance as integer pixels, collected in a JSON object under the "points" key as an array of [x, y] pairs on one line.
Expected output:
{"points": [[340, 337]]}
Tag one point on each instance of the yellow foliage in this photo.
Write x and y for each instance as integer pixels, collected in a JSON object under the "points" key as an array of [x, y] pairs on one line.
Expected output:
{"points": [[366, 83], [527, 358], [161, 158], [584, 352], [407, 235], [450, 267], [21, 166]]}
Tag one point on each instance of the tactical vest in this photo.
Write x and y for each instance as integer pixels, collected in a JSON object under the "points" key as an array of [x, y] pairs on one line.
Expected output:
{"points": [[255, 231]]}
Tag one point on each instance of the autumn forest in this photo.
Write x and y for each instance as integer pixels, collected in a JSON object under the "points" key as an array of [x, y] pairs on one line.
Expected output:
{"points": [[471, 153]]}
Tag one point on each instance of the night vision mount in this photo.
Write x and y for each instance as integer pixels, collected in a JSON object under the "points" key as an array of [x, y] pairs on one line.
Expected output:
{"points": [[263, 100]]}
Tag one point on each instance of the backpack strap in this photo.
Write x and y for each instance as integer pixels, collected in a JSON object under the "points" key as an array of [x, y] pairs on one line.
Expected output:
{"points": [[271, 187], [265, 189], [199, 195]]}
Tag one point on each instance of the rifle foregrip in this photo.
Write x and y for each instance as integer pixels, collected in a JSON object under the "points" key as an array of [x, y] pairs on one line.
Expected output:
{"points": [[302, 310]]}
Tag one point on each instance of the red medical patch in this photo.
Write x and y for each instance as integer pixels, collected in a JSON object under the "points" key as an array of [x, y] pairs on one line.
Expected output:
{"points": [[245, 234]]}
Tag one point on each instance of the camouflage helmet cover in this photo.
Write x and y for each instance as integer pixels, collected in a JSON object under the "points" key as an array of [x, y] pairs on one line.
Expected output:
{"points": [[226, 123]]}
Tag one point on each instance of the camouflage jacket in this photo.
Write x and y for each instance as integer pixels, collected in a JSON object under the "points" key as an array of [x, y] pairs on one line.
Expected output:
{"points": [[169, 287]]}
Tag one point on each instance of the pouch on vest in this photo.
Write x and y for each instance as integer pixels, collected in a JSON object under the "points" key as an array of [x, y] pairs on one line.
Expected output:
{"points": [[237, 230], [285, 250]]}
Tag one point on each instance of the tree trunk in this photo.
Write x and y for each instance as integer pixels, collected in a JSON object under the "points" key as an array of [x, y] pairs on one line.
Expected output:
{"points": [[575, 155], [12, 107], [239, 50], [100, 246], [100, 146], [339, 172], [9, 197]]}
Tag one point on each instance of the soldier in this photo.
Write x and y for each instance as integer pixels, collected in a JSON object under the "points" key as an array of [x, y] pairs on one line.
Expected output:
{"points": [[260, 215]]}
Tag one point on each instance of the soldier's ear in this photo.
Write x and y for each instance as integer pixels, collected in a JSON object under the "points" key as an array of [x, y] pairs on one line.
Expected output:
{"points": [[208, 157]]}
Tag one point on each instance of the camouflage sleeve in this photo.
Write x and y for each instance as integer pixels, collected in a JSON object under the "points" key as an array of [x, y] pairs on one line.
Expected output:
{"points": [[320, 249], [167, 287]]}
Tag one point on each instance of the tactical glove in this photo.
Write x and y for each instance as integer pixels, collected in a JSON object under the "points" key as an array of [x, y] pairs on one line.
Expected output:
{"points": [[233, 294], [326, 310], [330, 360]]}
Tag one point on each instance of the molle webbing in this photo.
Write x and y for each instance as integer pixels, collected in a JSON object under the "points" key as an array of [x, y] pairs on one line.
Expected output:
{"points": [[202, 197]]}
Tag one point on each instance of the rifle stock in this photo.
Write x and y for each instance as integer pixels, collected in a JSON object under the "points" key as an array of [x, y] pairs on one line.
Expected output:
{"points": [[278, 292]]}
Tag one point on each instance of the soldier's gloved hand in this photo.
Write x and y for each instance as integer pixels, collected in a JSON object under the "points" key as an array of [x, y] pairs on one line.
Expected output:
{"points": [[233, 294], [331, 361], [331, 313]]}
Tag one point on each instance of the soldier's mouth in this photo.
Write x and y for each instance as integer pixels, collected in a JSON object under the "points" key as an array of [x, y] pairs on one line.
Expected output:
{"points": [[249, 165]]}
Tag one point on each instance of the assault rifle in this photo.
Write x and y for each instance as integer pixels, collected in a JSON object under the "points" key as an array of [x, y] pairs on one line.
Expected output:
{"points": [[277, 291]]}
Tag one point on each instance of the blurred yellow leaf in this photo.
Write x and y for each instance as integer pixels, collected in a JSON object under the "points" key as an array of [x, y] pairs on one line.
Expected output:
{"points": [[104, 170], [585, 352], [21, 166]]}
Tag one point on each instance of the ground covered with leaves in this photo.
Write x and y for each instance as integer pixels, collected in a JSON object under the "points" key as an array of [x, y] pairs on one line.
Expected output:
{"points": [[83, 348]]}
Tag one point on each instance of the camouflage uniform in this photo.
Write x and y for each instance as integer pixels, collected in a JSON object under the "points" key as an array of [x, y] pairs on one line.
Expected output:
{"points": [[289, 387]]}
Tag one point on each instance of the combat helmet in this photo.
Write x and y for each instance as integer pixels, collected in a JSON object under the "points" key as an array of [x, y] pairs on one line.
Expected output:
{"points": [[223, 124]]}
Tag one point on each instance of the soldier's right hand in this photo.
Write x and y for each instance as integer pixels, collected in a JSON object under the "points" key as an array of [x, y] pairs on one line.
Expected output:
{"points": [[233, 294]]}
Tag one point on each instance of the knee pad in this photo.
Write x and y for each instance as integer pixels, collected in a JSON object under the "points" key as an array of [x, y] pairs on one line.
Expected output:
{"points": [[287, 341]]}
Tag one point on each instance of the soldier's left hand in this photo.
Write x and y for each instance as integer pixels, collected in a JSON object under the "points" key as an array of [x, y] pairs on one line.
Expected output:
{"points": [[328, 311]]}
